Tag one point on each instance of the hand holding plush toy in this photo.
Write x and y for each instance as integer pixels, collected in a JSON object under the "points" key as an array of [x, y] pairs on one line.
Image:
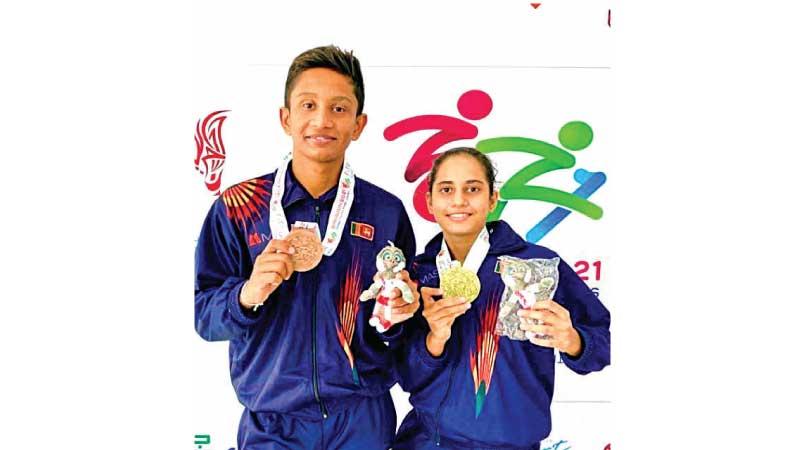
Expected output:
{"points": [[390, 261]]}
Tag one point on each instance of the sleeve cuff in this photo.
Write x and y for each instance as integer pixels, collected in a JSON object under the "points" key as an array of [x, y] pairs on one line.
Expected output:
{"points": [[238, 313], [586, 350], [424, 356]]}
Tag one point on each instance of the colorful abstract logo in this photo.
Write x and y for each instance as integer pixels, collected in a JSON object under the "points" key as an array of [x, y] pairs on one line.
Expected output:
{"points": [[475, 105], [484, 354], [347, 307], [210, 156]]}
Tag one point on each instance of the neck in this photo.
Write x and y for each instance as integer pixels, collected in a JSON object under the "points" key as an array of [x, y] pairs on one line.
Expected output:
{"points": [[317, 178], [460, 245]]}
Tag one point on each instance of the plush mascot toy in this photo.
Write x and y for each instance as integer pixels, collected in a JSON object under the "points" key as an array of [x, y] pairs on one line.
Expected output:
{"points": [[390, 262]]}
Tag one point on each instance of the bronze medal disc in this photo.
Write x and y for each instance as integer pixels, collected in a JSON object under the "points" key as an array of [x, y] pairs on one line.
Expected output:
{"points": [[307, 249]]}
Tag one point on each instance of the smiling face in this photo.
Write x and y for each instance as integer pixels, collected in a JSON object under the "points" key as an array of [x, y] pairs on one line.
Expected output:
{"points": [[321, 117], [459, 199]]}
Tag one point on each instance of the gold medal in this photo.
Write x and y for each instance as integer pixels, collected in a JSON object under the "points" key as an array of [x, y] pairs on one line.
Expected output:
{"points": [[460, 282], [307, 249]]}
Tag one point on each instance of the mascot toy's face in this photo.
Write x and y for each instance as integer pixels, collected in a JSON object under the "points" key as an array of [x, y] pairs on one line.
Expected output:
{"points": [[391, 259], [515, 274]]}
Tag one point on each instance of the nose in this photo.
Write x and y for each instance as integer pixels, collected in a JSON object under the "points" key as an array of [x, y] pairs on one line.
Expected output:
{"points": [[459, 199], [322, 118]]}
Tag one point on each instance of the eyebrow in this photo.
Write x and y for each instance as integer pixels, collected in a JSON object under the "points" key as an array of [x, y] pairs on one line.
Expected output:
{"points": [[466, 182], [337, 98]]}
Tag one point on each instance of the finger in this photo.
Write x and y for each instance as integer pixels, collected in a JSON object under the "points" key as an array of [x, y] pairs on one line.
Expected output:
{"points": [[543, 342], [279, 245], [406, 308], [398, 302], [455, 310], [279, 267], [451, 301], [394, 295], [543, 315], [550, 305], [404, 276], [428, 293], [266, 282], [450, 320], [539, 329], [273, 279], [411, 283], [269, 257]]}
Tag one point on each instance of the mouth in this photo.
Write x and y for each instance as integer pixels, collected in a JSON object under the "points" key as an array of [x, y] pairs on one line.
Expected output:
{"points": [[320, 139], [459, 217]]}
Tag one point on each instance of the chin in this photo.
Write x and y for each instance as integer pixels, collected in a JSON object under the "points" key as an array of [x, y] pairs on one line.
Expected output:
{"points": [[322, 155]]}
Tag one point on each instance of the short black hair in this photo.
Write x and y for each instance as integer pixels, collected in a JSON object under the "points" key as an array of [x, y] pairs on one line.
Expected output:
{"points": [[328, 57]]}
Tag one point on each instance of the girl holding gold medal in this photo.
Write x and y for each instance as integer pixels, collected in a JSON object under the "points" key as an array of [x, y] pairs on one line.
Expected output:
{"points": [[474, 382]]}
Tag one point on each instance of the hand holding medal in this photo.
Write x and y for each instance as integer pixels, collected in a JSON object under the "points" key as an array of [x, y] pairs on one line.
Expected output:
{"points": [[273, 266], [440, 316]]}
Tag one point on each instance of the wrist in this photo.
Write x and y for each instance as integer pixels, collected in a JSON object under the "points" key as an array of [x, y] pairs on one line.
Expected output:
{"points": [[575, 346], [435, 344], [244, 298]]}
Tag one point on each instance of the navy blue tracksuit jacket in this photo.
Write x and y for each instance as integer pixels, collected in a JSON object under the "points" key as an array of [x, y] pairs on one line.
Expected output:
{"points": [[485, 390], [308, 352]]}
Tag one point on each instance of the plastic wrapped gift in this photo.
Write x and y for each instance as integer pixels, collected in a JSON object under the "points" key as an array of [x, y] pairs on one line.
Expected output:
{"points": [[527, 281]]}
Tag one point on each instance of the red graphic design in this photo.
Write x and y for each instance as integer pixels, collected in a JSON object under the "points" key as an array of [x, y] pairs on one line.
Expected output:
{"points": [[607, 447], [348, 311], [362, 230], [210, 149], [243, 201], [483, 356], [256, 238], [536, 5], [472, 105], [609, 18]]}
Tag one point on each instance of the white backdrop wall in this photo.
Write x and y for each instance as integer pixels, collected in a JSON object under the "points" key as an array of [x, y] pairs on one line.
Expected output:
{"points": [[542, 67]]}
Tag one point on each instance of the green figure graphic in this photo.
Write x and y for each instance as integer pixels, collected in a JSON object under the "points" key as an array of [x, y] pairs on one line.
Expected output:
{"points": [[574, 136]]}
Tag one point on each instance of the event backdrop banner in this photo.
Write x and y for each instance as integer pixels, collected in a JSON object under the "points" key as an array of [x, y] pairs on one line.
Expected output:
{"points": [[522, 82]]}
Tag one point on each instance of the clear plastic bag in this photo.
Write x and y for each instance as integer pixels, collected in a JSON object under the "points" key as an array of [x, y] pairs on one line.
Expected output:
{"points": [[527, 281]]}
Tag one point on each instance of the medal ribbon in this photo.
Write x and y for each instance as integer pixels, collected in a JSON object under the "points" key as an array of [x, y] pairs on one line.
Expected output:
{"points": [[341, 207], [477, 253]]}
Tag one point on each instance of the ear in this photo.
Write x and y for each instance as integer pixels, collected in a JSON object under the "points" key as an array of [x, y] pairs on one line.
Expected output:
{"points": [[361, 123], [284, 116], [493, 200], [428, 202], [528, 276], [400, 266], [379, 263]]}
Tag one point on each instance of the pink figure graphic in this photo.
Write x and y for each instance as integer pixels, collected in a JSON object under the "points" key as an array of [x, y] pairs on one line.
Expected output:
{"points": [[472, 105], [210, 149]]}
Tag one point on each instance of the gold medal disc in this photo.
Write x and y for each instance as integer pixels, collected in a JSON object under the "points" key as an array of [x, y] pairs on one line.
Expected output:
{"points": [[460, 282]]}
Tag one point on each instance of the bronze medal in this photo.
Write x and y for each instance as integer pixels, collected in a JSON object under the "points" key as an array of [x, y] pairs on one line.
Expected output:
{"points": [[307, 249]]}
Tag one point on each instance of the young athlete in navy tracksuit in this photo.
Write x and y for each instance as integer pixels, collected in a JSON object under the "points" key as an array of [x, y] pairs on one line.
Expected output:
{"points": [[471, 388], [309, 370]]}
